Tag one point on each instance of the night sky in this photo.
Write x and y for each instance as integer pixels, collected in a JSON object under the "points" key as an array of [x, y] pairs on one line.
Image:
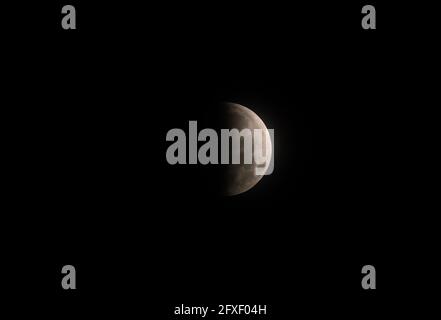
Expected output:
{"points": [[146, 236]]}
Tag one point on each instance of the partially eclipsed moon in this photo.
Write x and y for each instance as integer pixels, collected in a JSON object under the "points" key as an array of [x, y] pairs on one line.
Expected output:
{"points": [[239, 178]]}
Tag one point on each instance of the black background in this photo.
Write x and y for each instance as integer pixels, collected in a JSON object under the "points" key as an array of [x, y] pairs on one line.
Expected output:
{"points": [[145, 236]]}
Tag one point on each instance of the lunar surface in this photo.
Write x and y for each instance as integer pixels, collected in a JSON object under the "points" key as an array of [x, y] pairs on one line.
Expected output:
{"points": [[238, 178]]}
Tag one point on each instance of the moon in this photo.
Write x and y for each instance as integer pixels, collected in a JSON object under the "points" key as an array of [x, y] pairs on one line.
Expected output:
{"points": [[239, 178]]}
